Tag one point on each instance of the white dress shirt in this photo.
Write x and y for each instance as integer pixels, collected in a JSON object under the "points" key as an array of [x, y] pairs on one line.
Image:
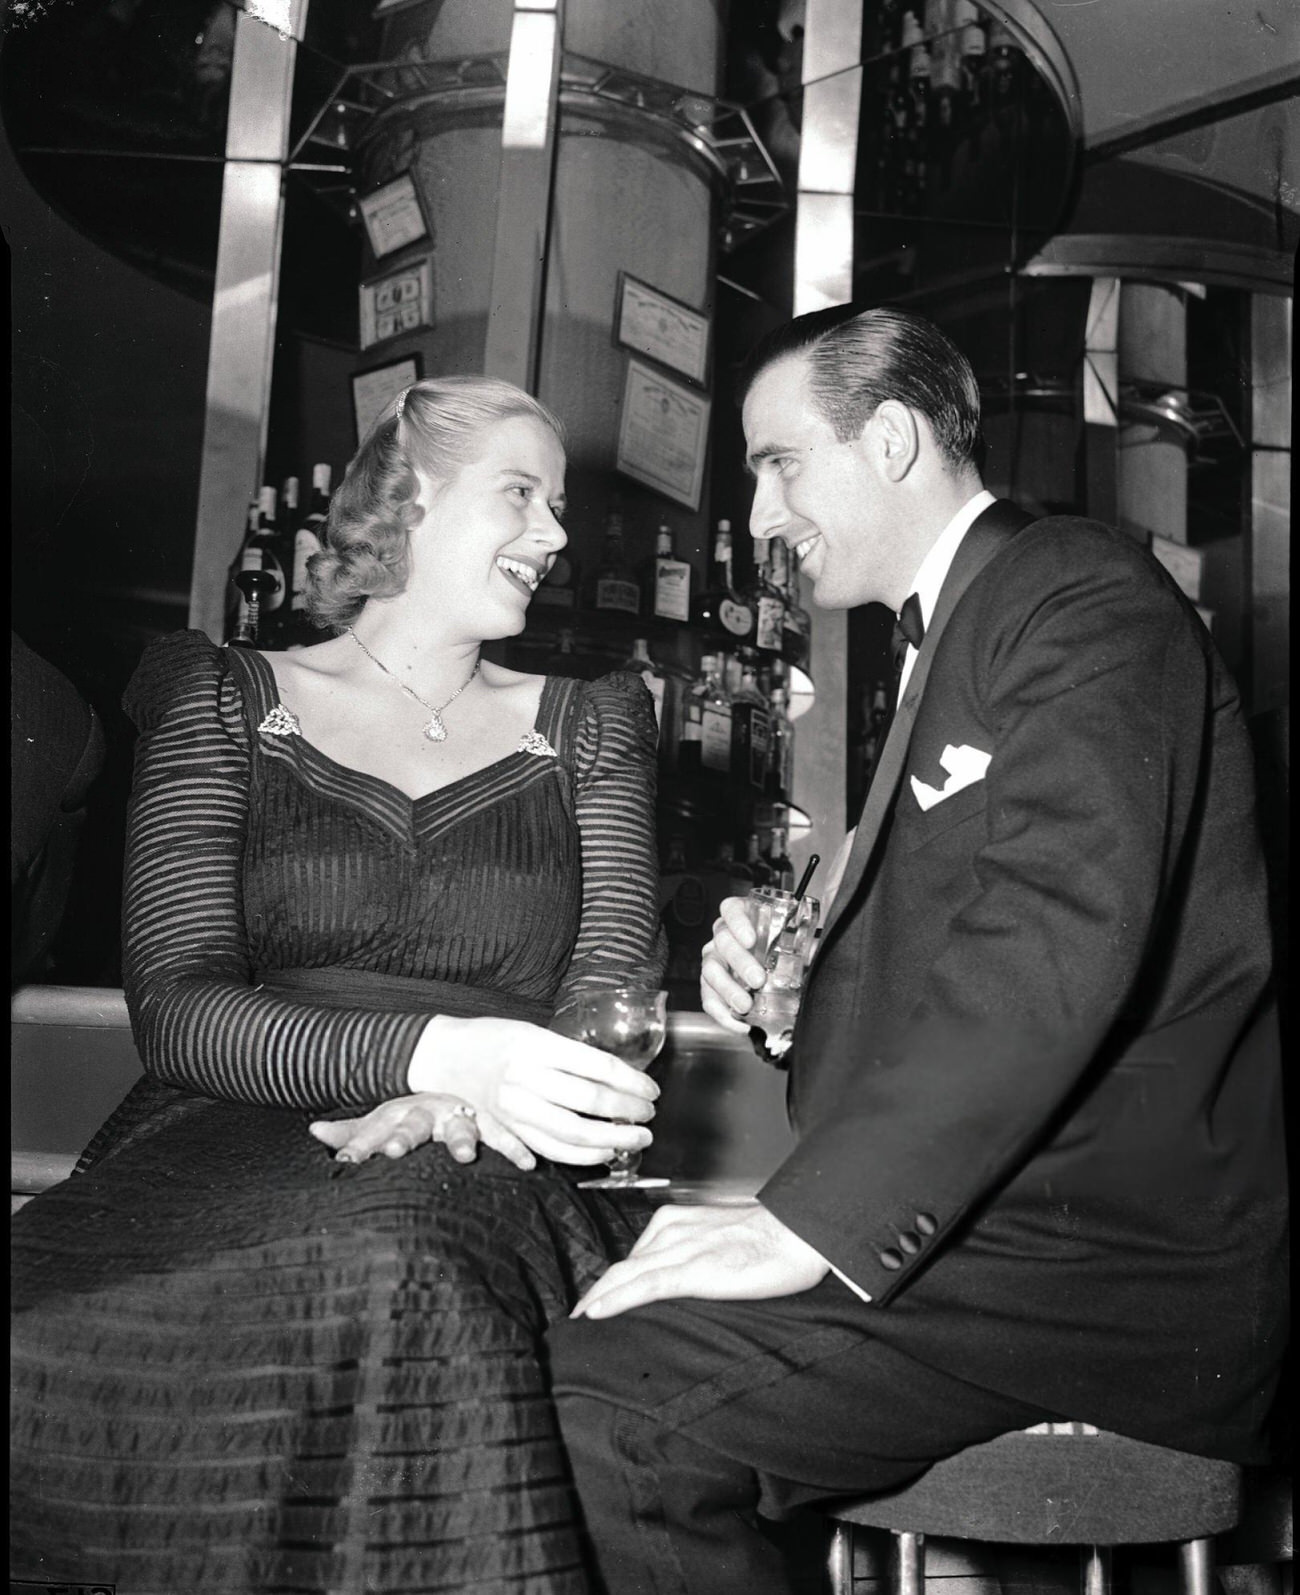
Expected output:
{"points": [[929, 579]]}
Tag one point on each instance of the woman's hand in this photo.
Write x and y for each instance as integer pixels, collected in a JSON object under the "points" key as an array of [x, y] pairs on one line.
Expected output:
{"points": [[558, 1096], [400, 1125], [729, 972]]}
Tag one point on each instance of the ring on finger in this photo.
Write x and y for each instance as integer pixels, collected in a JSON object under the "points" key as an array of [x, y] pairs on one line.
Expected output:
{"points": [[462, 1110]]}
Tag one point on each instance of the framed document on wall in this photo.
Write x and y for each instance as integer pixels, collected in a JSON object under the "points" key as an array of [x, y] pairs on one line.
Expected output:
{"points": [[393, 215], [663, 434], [650, 322], [398, 303], [374, 390]]}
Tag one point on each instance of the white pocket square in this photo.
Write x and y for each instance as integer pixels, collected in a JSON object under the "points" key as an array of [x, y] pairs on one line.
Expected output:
{"points": [[965, 765]]}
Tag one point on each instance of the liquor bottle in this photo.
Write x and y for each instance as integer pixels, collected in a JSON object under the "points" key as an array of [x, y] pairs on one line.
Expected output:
{"points": [[767, 602], [709, 700], [796, 623], [974, 48], [261, 577], [668, 580], [877, 718], [564, 661], [755, 863], [287, 520], [749, 729], [642, 664], [780, 749], [308, 540], [615, 587], [778, 860], [1002, 53], [733, 870], [237, 628], [559, 587], [690, 735], [719, 608]]}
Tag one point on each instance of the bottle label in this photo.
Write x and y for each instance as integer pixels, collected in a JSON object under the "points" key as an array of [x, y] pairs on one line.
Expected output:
{"points": [[692, 724], [715, 739], [771, 614], [673, 589], [736, 618], [758, 744], [615, 593], [687, 906]]}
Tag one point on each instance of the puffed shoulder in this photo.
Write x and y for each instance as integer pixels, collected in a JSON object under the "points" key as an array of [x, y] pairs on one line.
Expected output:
{"points": [[184, 670], [617, 722]]}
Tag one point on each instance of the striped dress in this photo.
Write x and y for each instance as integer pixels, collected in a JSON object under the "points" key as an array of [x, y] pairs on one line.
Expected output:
{"points": [[239, 1365]]}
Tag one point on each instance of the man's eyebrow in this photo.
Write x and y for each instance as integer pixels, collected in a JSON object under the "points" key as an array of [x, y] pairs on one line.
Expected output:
{"points": [[754, 460]]}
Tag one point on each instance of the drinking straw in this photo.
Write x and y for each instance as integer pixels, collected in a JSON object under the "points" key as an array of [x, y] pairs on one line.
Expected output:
{"points": [[802, 887]]}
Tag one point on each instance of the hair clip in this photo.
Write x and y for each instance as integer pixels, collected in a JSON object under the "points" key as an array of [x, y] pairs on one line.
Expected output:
{"points": [[401, 403]]}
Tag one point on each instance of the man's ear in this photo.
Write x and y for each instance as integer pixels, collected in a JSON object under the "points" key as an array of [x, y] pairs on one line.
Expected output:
{"points": [[898, 438]]}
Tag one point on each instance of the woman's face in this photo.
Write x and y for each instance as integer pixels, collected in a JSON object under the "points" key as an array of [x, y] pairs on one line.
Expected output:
{"points": [[491, 532]]}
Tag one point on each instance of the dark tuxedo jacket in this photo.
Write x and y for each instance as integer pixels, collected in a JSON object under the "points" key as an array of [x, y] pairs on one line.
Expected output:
{"points": [[1035, 1078]]}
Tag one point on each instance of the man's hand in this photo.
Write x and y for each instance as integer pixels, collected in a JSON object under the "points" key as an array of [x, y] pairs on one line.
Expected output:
{"points": [[720, 1253], [729, 972]]}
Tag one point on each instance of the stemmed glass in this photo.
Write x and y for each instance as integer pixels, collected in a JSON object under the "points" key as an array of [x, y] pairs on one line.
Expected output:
{"points": [[630, 1022]]}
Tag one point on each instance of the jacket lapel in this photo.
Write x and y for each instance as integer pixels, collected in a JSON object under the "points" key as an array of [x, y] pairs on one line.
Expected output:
{"points": [[998, 523]]}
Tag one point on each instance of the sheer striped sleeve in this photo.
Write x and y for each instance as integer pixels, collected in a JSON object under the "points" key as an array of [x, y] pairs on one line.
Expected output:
{"points": [[621, 940], [198, 1022]]}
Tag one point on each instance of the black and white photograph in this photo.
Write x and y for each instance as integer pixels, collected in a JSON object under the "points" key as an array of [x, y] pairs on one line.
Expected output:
{"points": [[650, 796]]}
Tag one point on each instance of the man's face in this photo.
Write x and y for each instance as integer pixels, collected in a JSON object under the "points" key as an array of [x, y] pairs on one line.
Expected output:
{"points": [[824, 498]]}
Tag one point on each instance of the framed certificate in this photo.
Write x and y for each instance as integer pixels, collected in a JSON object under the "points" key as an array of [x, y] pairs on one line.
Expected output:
{"points": [[393, 215], [398, 303], [663, 434], [654, 324], [374, 390]]}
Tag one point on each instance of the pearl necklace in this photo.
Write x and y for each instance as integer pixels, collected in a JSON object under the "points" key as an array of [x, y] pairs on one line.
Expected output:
{"points": [[436, 730]]}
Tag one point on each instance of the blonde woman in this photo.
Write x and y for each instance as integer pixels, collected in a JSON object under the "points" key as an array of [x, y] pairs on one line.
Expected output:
{"points": [[363, 878]]}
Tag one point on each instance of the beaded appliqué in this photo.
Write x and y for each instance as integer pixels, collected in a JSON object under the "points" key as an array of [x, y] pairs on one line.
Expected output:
{"points": [[281, 722], [535, 742]]}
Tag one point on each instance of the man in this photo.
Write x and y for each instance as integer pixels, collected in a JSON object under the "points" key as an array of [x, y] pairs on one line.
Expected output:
{"points": [[1038, 1171]]}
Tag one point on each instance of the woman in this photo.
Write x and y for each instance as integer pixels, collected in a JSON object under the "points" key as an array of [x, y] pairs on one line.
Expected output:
{"points": [[370, 869]]}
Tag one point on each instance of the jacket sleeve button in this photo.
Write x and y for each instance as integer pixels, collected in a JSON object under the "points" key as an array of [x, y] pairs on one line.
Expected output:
{"points": [[910, 1243], [927, 1223], [890, 1259]]}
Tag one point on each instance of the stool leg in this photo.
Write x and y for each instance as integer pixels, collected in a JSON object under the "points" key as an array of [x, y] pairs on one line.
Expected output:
{"points": [[909, 1551], [1197, 1558], [1096, 1570], [841, 1560]]}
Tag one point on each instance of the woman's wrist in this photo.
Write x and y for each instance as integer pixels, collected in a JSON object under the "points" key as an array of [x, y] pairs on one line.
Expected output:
{"points": [[435, 1063]]}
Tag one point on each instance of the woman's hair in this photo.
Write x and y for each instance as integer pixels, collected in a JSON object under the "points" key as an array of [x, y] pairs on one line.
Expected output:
{"points": [[436, 425], [857, 361]]}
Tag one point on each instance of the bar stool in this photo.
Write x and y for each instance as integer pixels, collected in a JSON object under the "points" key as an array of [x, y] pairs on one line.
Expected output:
{"points": [[1054, 1484]]}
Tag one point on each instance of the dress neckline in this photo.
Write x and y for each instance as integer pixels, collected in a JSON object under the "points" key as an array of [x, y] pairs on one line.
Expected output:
{"points": [[266, 695]]}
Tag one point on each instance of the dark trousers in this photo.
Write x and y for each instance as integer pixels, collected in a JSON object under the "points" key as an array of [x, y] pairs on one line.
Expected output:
{"points": [[687, 1421]]}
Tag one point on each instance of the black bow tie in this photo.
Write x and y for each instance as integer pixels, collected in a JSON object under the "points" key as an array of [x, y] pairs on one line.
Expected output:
{"points": [[909, 627]]}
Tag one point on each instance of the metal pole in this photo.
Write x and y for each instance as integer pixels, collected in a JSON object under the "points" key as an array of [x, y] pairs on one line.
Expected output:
{"points": [[528, 126], [242, 341]]}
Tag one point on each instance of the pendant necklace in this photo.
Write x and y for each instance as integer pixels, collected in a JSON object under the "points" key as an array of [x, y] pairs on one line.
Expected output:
{"points": [[436, 730]]}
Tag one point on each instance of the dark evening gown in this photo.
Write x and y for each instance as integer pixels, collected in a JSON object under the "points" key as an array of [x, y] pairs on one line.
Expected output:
{"points": [[239, 1365]]}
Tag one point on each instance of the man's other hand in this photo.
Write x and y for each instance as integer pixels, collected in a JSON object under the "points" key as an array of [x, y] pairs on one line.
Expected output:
{"points": [[719, 1253]]}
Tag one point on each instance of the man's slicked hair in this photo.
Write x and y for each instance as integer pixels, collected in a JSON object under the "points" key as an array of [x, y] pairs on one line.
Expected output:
{"points": [[856, 362]]}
